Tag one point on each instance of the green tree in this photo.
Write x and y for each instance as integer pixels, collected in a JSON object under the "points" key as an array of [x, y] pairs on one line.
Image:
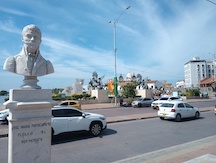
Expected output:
{"points": [[193, 92], [3, 93], [128, 90], [57, 90]]}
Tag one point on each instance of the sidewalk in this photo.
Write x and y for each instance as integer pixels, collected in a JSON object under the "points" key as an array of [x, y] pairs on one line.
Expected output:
{"points": [[199, 151]]}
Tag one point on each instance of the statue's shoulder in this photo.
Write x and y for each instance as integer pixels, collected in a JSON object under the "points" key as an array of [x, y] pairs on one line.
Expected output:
{"points": [[10, 64], [11, 59], [50, 68]]}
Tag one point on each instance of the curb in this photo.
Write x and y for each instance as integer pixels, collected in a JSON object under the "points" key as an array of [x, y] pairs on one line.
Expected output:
{"points": [[132, 119], [99, 108]]}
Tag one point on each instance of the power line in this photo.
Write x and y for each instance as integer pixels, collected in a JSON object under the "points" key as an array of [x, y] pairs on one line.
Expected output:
{"points": [[211, 2]]}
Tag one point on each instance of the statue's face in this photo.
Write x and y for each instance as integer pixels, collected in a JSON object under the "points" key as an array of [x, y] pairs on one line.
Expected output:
{"points": [[31, 39]]}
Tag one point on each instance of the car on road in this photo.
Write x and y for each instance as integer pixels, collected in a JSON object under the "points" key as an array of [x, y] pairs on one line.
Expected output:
{"points": [[157, 103], [142, 102], [71, 103], [68, 119], [3, 115], [177, 110]]}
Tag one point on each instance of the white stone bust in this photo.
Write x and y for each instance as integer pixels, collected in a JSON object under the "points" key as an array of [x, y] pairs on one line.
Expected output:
{"points": [[29, 62]]}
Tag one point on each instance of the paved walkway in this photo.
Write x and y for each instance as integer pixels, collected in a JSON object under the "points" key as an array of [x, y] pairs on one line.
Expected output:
{"points": [[199, 151]]}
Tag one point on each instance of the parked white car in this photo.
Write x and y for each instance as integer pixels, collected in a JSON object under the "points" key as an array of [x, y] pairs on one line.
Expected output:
{"points": [[68, 119], [157, 103], [3, 115], [177, 110], [142, 102]]}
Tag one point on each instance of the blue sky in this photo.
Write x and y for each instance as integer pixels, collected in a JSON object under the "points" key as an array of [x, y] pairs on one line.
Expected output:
{"points": [[154, 37]]}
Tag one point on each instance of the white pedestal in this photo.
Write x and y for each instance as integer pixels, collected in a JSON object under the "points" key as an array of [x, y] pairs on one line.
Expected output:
{"points": [[101, 95], [29, 138], [144, 93]]}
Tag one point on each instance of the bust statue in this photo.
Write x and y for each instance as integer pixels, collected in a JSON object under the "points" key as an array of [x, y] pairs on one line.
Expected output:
{"points": [[29, 62]]}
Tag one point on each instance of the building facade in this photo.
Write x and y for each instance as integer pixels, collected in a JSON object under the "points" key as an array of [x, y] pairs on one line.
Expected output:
{"points": [[180, 84], [154, 84], [196, 69]]}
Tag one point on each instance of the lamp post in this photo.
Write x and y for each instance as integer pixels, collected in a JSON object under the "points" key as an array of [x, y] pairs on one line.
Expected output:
{"points": [[115, 21]]}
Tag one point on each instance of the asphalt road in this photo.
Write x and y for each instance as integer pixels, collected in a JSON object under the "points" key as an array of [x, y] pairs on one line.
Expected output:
{"points": [[125, 139], [130, 110], [110, 112]]}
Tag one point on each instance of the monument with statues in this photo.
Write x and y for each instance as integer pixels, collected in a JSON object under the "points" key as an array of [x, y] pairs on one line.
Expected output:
{"points": [[29, 138], [142, 87], [77, 87], [96, 82], [96, 88]]}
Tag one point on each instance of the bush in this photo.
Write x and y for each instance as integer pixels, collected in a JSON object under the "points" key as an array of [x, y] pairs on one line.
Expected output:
{"points": [[3, 93], [77, 96], [128, 90], [193, 92], [59, 97]]}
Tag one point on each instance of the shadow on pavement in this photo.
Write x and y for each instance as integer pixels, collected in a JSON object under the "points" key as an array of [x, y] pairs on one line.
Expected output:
{"points": [[185, 119], [192, 119], [3, 123], [75, 136]]}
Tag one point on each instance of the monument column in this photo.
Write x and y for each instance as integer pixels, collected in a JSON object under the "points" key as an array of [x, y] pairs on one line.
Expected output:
{"points": [[29, 137]]}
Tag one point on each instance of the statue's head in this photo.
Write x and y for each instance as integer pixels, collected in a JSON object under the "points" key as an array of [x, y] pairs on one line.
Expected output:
{"points": [[31, 36]]}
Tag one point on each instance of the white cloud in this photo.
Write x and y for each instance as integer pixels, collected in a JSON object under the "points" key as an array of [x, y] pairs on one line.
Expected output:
{"points": [[14, 11]]}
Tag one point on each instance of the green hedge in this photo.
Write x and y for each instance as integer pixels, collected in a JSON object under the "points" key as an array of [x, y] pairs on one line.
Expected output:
{"points": [[59, 97]]}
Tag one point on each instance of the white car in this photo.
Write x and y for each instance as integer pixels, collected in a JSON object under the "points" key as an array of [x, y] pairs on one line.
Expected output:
{"points": [[142, 102], [177, 110], [157, 103], [68, 119], [3, 115]]}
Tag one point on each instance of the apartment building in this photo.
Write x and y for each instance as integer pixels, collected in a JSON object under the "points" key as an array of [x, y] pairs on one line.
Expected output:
{"points": [[196, 70], [180, 84]]}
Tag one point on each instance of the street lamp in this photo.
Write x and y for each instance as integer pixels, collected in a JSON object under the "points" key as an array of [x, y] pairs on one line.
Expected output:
{"points": [[115, 21]]}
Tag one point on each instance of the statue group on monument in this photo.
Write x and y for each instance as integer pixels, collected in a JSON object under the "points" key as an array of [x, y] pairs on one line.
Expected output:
{"points": [[96, 82], [142, 83]]}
